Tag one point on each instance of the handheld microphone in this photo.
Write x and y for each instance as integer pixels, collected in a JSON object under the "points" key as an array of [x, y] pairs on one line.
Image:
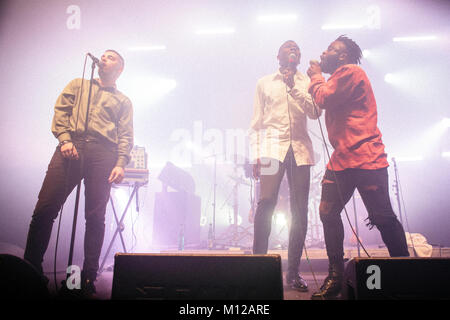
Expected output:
{"points": [[315, 62], [96, 60], [292, 58]]}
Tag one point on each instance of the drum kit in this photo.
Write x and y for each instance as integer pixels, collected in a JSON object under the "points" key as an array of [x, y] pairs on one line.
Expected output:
{"points": [[240, 235]]}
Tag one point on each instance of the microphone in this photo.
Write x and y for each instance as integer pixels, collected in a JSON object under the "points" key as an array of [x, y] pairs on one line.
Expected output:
{"points": [[315, 62], [96, 61], [292, 58]]}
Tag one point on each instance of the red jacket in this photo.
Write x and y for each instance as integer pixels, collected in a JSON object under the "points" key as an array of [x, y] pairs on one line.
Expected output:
{"points": [[351, 118]]}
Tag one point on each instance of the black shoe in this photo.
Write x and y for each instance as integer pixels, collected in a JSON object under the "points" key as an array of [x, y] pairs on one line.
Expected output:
{"points": [[297, 282], [88, 290], [330, 289], [65, 293], [45, 280]]}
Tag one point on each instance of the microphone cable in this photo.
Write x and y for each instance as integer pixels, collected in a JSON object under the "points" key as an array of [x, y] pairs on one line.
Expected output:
{"points": [[304, 240], [335, 178], [400, 195]]}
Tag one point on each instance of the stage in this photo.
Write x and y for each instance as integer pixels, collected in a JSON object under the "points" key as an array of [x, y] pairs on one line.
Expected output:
{"points": [[313, 269], [192, 72]]}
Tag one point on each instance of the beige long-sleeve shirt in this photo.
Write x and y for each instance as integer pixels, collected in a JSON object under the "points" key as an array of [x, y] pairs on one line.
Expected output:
{"points": [[110, 116], [280, 119]]}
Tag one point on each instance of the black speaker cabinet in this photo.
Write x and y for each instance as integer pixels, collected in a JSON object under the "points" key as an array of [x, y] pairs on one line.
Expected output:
{"points": [[20, 280], [397, 278], [197, 277]]}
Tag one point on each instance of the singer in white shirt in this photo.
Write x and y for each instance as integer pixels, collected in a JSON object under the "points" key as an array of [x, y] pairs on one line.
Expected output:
{"points": [[280, 143]]}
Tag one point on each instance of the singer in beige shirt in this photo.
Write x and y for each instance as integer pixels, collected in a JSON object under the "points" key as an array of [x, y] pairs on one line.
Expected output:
{"points": [[94, 147], [280, 143]]}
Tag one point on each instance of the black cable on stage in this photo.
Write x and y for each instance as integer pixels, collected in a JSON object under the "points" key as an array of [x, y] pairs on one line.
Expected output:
{"points": [[336, 180], [133, 222], [400, 191], [312, 272], [66, 187]]}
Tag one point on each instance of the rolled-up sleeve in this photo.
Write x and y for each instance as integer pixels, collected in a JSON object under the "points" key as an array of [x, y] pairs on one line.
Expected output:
{"points": [[63, 111]]}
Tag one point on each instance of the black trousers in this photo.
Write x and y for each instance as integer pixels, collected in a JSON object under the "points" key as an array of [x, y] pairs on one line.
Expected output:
{"points": [[374, 190], [298, 181], [94, 166]]}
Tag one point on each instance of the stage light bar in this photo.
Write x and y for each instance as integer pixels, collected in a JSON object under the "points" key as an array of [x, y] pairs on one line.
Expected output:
{"points": [[148, 48], [414, 38], [342, 26], [215, 31], [277, 18]]}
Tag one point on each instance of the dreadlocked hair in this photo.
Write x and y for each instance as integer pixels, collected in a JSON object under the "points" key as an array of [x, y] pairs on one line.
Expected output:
{"points": [[353, 50]]}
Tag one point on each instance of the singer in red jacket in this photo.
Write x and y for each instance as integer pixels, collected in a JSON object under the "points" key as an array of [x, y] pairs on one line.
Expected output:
{"points": [[359, 160]]}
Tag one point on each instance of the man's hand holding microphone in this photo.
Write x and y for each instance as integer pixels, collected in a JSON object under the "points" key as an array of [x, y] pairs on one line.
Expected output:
{"points": [[314, 68]]}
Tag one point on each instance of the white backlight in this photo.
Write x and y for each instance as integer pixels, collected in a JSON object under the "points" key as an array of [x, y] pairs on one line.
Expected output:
{"points": [[214, 31], [414, 38], [277, 18]]}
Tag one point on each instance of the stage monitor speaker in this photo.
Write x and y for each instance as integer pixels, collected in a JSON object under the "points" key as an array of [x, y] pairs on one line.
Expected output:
{"points": [[20, 280], [397, 278], [197, 277]]}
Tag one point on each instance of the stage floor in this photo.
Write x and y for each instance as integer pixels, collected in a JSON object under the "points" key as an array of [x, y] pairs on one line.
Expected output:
{"points": [[105, 279], [313, 268]]}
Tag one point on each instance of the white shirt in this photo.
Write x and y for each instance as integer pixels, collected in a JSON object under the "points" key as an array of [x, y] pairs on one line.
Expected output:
{"points": [[279, 119]]}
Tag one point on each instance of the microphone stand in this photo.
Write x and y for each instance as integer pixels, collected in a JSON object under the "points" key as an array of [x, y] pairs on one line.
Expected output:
{"points": [[213, 240], [356, 226], [396, 190], [235, 200], [214, 205], [77, 198]]}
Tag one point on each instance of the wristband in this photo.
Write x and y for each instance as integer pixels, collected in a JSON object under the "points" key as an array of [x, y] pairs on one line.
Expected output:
{"points": [[63, 143]]}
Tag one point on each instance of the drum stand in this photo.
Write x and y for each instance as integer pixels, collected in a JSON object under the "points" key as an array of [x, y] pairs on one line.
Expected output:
{"points": [[235, 233]]}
